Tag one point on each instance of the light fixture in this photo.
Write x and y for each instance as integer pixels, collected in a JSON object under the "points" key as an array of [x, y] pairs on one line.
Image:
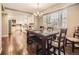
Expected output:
{"points": [[38, 13]]}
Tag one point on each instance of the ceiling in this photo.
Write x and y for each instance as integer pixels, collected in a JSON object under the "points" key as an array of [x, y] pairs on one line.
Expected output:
{"points": [[29, 7]]}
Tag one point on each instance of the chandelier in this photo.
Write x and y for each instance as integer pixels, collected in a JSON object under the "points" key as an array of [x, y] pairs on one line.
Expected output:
{"points": [[38, 13]]}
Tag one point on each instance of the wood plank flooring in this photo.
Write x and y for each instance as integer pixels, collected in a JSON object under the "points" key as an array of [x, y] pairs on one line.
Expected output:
{"points": [[32, 48]]}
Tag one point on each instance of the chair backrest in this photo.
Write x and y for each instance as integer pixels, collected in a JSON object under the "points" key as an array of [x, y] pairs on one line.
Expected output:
{"points": [[63, 32], [30, 27], [41, 28], [49, 28], [76, 33], [62, 36], [77, 29]]}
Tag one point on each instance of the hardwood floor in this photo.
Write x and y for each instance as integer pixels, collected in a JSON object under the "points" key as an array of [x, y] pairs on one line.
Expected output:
{"points": [[5, 44], [32, 48], [69, 50]]}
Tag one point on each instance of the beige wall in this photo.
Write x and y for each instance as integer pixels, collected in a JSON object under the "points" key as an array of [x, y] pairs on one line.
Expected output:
{"points": [[35, 20], [5, 25], [73, 19], [56, 7], [39, 22], [0, 29]]}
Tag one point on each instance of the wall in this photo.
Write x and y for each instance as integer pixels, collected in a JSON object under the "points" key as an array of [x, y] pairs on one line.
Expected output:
{"points": [[56, 7], [35, 20], [0, 29], [5, 25], [73, 19], [38, 22]]}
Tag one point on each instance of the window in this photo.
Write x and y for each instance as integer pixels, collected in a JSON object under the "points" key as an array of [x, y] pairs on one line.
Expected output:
{"points": [[56, 19]]}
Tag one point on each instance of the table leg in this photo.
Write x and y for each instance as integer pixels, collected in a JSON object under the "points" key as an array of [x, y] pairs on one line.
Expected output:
{"points": [[48, 47], [72, 46], [44, 46]]}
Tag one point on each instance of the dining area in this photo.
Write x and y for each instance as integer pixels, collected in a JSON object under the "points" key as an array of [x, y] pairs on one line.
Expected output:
{"points": [[51, 42], [46, 38], [40, 29]]}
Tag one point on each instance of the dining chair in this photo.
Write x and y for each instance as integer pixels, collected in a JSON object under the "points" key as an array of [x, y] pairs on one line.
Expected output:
{"points": [[58, 43], [49, 29], [76, 33], [73, 40], [30, 27], [41, 28]]}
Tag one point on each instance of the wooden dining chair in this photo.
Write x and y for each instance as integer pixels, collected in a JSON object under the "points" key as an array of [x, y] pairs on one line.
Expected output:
{"points": [[73, 40], [49, 28], [30, 27], [76, 33], [59, 42], [41, 28]]}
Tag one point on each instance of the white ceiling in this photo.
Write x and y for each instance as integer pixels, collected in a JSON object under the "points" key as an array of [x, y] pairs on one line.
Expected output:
{"points": [[28, 7]]}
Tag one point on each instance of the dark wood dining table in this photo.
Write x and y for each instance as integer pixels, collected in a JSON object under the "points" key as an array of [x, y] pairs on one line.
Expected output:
{"points": [[44, 37]]}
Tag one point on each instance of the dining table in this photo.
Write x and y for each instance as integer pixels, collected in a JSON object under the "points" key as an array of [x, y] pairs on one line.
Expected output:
{"points": [[44, 35]]}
